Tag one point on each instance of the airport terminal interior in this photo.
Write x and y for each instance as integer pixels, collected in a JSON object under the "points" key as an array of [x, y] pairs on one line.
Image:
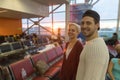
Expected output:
{"points": [[35, 31]]}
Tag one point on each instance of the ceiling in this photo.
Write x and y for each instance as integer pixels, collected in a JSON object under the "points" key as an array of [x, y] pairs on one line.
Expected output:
{"points": [[52, 2], [4, 13]]}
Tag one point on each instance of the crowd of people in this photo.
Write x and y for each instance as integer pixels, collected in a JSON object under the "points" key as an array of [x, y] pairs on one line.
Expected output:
{"points": [[34, 38]]}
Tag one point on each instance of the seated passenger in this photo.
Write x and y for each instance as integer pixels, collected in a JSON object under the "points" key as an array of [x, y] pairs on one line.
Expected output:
{"points": [[35, 39], [114, 66], [113, 40], [2, 39]]}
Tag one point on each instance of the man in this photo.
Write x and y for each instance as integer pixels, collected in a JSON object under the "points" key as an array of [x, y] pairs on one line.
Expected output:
{"points": [[95, 56]]}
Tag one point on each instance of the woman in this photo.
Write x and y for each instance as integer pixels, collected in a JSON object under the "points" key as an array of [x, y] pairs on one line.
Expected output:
{"points": [[72, 53], [114, 66]]}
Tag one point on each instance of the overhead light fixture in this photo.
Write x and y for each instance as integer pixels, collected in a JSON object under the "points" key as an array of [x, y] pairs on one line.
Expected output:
{"points": [[2, 11]]}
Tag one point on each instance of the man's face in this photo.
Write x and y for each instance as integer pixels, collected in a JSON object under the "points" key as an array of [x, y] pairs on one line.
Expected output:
{"points": [[88, 26]]}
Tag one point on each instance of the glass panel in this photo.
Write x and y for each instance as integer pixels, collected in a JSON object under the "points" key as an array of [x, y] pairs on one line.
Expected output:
{"points": [[61, 8], [59, 17], [47, 19], [108, 9]]}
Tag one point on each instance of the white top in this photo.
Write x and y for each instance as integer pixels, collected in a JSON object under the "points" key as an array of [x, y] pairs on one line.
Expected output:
{"points": [[68, 52], [93, 61]]}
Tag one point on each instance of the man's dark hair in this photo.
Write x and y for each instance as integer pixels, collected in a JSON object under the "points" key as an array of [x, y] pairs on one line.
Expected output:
{"points": [[92, 14]]}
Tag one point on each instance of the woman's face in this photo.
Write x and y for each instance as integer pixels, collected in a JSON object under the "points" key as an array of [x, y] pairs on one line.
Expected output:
{"points": [[72, 32]]}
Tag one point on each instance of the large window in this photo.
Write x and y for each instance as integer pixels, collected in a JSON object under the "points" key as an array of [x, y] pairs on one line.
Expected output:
{"points": [[109, 16], [108, 10]]}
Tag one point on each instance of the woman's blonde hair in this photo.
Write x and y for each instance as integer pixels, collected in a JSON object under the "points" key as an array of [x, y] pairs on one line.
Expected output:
{"points": [[76, 25]]}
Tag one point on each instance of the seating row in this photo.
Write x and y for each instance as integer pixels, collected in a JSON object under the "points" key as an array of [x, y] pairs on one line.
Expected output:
{"points": [[27, 67], [14, 51], [7, 47]]}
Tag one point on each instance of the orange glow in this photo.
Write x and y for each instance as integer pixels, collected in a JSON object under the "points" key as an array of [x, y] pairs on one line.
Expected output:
{"points": [[56, 26], [55, 29]]}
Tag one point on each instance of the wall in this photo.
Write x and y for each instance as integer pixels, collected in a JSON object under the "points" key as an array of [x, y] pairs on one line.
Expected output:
{"points": [[10, 26]]}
